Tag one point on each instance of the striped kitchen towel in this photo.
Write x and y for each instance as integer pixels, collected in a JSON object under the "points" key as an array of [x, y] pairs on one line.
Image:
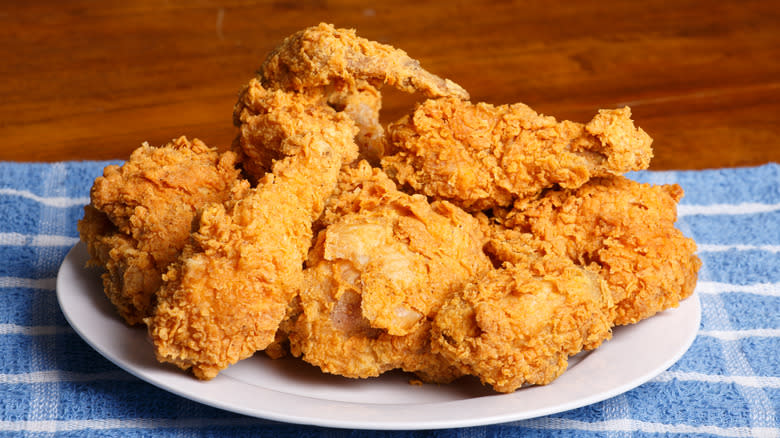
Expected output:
{"points": [[728, 383]]}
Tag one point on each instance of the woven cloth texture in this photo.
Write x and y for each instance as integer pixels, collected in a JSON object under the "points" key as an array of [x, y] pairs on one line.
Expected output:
{"points": [[52, 383]]}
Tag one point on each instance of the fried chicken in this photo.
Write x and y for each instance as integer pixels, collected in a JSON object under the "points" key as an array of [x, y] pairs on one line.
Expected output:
{"points": [[323, 55], [346, 71], [574, 264], [140, 215], [360, 270], [381, 268], [480, 156], [227, 294], [519, 324], [621, 229]]}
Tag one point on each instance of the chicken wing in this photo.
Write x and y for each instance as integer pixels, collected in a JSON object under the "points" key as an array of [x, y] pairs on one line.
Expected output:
{"points": [[323, 55], [346, 71], [227, 294], [480, 156], [140, 215]]}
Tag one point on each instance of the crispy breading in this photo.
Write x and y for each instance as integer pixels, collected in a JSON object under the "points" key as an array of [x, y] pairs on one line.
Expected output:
{"points": [[378, 274], [140, 215], [322, 55], [519, 324], [497, 242], [347, 71], [481, 156], [623, 230], [227, 294]]}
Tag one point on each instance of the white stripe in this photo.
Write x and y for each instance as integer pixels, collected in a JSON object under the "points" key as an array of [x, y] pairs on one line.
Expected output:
{"points": [[40, 330], [725, 209], [739, 247], [45, 399], [29, 283], [715, 287], [115, 423], [616, 408], [753, 381], [761, 410], [62, 376], [55, 201], [547, 423], [551, 423], [18, 239], [733, 335]]}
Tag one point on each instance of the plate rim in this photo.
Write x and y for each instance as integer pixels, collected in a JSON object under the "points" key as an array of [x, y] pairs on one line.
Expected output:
{"points": [[389, 416]]}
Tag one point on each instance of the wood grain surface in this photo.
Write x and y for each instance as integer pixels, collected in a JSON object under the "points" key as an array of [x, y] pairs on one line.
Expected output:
{"points": [[94, 79]]}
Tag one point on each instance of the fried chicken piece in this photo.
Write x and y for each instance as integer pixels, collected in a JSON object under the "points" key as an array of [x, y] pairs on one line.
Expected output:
{"points": [[141, 213], [346, 71], [480, 156], [623, 230], [380, 270], [361, 105], [519, 324], [323, 55], [227, 294]]}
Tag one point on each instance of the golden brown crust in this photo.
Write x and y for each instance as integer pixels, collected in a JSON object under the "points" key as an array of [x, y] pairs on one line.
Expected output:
{"points": [[326, 257], [323, 55], [346, 72], [625, 231], [226, 296], [481, 156], [519, 324], [141, 213], [378, 274]]}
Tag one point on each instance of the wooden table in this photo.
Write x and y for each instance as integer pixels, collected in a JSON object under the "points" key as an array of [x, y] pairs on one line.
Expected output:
{"points": [[94, 79]]}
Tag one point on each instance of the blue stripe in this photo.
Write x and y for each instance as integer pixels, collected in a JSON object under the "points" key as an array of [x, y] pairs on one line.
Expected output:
{"points": [[64, 351], [74, 178], [744, 311], [30, 307], [748, 229], [114, 397], [31, 262], [110, 399], [742, 267], [682, 403], [774, 395], [25, 217], [721, 186], [704, 356], [28, 353]]}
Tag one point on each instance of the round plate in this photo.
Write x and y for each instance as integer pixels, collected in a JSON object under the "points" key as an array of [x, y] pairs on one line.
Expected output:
{"points": [[292, 391]]}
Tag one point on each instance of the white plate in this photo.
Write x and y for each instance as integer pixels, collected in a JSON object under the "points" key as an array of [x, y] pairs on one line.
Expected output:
{"points": [[291, 391]]}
